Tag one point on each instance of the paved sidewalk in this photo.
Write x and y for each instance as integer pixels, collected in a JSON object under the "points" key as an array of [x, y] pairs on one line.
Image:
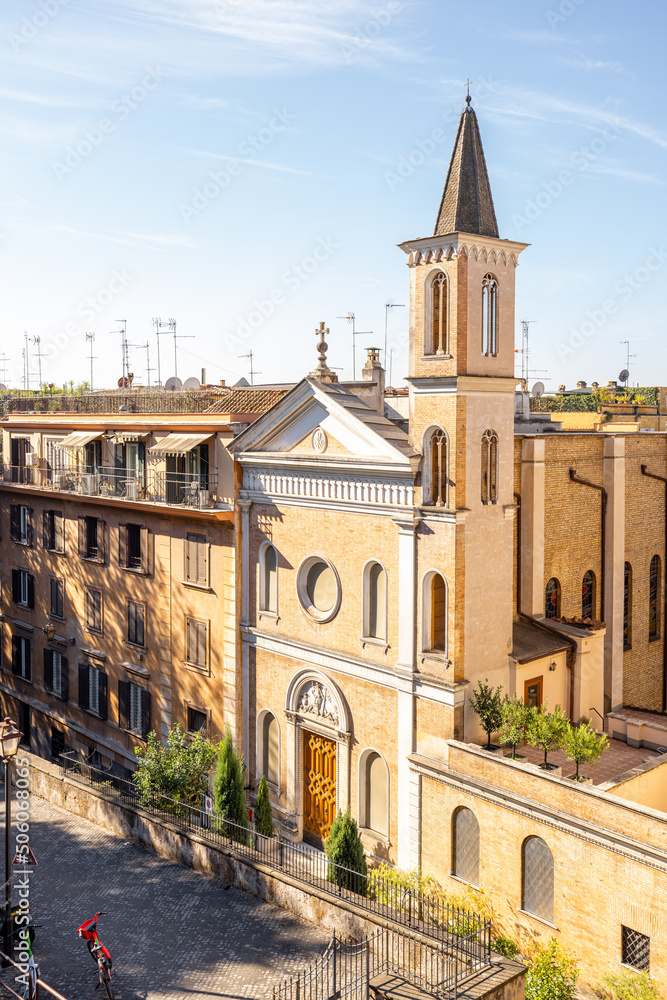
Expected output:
{"points": [[171, 931]]}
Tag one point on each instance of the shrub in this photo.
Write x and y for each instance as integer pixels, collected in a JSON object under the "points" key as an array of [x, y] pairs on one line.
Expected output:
{"points": [[393, 886], [263, 811], [345, 851], [487, 704], [583, 745], [505, 946], [516, 718], [177, 772], [552, 973], [229, 793], [547, 730], [627, 985]]}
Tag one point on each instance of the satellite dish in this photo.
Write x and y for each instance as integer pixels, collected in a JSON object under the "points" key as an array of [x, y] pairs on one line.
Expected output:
{"points": [[192, 383], [123, 383], [537, 390], [173, 384], [624, 376], [3, 388]]}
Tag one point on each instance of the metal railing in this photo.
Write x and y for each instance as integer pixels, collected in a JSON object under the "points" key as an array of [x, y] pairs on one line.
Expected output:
{"points": [[137, 401], [347, 970], [175, 488], [455, 927]]}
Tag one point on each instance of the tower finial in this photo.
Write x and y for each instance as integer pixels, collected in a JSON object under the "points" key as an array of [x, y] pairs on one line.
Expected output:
{"points": [[468, 97], [322, 370]]}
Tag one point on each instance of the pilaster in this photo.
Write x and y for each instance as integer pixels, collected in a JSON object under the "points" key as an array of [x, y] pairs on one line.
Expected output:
{"points": [[614, 483], [531, 542]]}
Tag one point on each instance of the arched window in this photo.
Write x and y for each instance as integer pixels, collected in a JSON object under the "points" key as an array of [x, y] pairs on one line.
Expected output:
{"points": [[653, 605], [489, 467], [375, 601], [627, 606], [268, 750], [436, 480], [588, 595], [374, 793], [439, 327], [268, 580], [435, 600], [465, 845], [489, 316], [538, 879], [552, 599]]}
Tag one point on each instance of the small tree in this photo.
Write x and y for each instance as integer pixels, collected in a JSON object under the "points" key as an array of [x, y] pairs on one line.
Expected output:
{"points": [[628, 985], [346, 853], [516, 717], [178, 771], [487, 704], [583, 745], [552, 973], [229, 792], [263, 812], [547, 730]]}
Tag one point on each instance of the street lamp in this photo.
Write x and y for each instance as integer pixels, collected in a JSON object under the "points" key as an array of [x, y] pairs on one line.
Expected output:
{"points": [[10, 739], [49, 631]]}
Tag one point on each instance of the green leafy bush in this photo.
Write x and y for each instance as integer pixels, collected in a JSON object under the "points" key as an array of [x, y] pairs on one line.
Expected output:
{"points": [[487, 705], [583, 745], [344, 849], [263, 811], [229, 793], [516, 719], [505, 946], [547, 730], [175, 773], [552, 973], [628, 985]]}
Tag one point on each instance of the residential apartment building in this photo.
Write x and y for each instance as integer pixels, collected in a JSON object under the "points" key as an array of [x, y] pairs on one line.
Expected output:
{"points": [[118, 576]]}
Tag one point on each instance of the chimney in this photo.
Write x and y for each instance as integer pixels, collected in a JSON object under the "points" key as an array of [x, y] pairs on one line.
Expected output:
{"points": [[374, 373]]}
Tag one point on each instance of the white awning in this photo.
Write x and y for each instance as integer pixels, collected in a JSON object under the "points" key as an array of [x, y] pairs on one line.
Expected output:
{"points": [[120, 437], [77, 439], [178, 444]]}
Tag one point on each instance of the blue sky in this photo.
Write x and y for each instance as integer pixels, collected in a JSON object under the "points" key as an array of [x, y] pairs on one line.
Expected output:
{"points": [[248, 167]]}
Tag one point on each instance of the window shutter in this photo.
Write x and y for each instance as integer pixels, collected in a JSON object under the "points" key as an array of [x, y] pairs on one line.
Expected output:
{"points": [[201, 562], [14, 520], [28, 661], [16, 655], [122, 544], [48, 669], [124, 704], [145, 713], [84, 697], [145, 541], [31, 591], [46, 528], [101, 553], [189, 651], [189, 549], [103, 694], [82, 536], [30, 521], [64, 672], [16, 586], [58, 531]]}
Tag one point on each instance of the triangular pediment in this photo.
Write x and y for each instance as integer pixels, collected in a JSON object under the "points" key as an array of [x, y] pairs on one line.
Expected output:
{"points": [[324, 422]]}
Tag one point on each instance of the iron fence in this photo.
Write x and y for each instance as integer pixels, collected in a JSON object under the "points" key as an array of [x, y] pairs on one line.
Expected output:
{"points": [[136, 400], [347, 970], [457, 928]]}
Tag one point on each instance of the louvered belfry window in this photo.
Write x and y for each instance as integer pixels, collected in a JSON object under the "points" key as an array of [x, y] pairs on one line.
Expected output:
{"points": [[538, 879]]}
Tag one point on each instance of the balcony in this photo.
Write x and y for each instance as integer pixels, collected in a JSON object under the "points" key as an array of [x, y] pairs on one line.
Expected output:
{"points": [[177, 489]]}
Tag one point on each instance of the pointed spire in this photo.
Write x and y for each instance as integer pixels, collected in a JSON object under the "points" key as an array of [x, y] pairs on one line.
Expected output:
{"points": [[467, 203]]}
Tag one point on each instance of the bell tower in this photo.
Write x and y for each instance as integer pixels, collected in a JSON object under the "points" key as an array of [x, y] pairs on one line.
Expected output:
{"points": [[461, 378]]}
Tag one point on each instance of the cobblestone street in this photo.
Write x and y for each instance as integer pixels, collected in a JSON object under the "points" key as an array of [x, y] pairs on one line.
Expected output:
{"points": [[171, 932]]}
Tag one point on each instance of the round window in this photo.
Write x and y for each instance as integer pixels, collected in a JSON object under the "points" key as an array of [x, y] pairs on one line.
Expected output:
{"points": [[319, 588]]}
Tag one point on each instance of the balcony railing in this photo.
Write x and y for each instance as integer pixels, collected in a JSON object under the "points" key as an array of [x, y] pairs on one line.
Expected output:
{"points": [[180, 489]]}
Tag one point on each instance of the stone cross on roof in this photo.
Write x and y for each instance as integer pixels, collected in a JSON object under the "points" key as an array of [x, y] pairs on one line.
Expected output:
{"points": [[322, 370]]}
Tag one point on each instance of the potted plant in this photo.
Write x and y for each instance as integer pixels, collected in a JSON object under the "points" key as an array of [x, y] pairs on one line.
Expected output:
{"points": [[547, 731], [583, 745], [516, 718], [487, 705]]}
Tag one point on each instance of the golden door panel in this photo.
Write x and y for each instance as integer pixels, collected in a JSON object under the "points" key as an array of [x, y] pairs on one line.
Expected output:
{"points": [[319, 784]]}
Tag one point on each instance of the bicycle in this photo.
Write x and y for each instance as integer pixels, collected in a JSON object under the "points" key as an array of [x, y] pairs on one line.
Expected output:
{"points": [[98, 952]]}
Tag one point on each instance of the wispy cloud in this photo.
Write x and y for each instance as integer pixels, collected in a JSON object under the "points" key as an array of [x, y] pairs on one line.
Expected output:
{"points": [[266, 164], [150, 242]]}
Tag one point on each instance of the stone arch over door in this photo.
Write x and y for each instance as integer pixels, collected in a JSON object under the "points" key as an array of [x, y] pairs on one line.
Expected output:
{"points": [[318, 728]]}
